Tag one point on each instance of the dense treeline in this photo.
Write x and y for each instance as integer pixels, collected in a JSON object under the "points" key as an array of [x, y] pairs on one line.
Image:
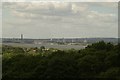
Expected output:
{"points": [[99, 60]]}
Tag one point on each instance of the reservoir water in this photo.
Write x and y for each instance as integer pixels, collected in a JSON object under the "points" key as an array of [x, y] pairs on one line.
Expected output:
{"points": [[47, 45]]}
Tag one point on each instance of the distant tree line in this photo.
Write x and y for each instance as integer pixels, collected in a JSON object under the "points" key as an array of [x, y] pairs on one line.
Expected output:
{"points": [[99, 60]]}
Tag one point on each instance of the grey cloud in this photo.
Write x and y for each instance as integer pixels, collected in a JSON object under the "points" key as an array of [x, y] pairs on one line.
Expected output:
{"points": [[65, 20]]}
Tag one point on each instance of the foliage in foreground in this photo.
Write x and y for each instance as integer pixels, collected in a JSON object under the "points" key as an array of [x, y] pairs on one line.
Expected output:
{"points": [[99, 60]]}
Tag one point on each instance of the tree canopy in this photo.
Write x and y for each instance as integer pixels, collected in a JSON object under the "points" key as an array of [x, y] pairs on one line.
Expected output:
{"points": [[99, 60]]}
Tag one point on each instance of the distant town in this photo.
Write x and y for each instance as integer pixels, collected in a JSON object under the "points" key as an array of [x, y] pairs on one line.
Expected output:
{"points": [[58, 40]]}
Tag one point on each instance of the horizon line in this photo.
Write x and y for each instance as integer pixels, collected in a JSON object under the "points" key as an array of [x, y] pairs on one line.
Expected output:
{"points": [[56, 38]]}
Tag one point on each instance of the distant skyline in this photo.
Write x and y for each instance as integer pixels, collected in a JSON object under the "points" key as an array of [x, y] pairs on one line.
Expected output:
{"points": [[60, 19]]}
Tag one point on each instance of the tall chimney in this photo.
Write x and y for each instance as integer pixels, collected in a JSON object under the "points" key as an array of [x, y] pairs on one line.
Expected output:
{"points": [[21, 36]]}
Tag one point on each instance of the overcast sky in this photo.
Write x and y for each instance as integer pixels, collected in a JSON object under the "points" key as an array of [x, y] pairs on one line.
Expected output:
{"points": [[60, 19]]}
